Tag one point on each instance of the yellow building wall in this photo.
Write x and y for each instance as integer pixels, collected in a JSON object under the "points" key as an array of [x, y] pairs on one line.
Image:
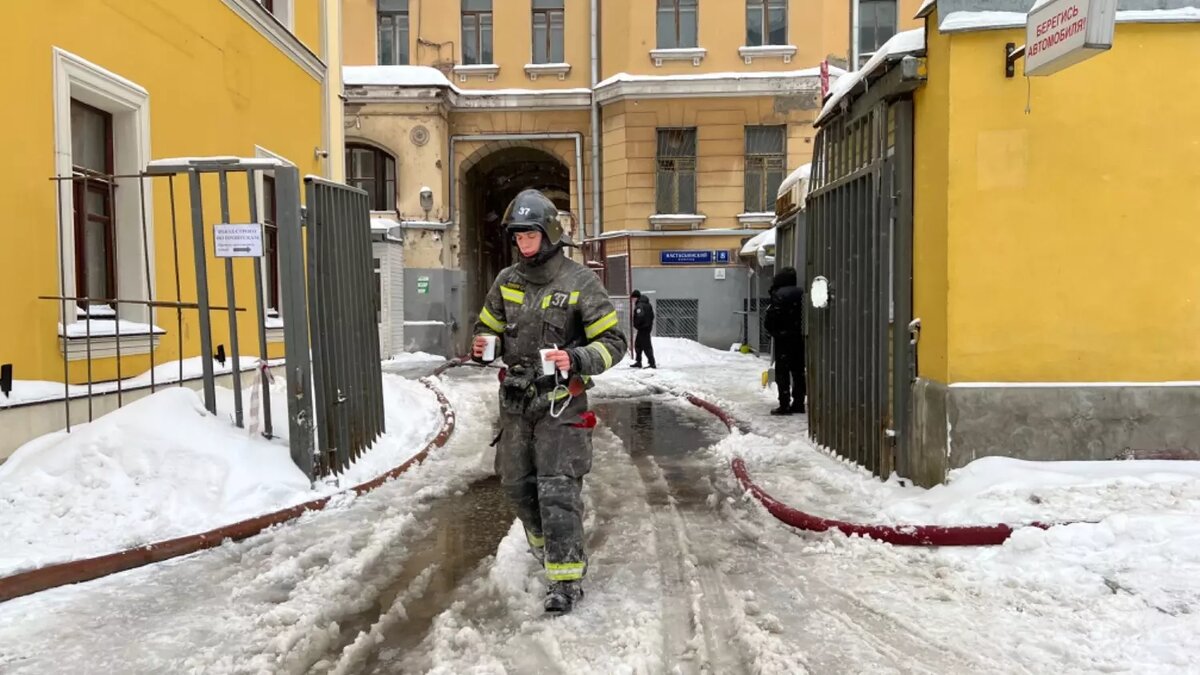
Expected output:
{"points": [[931, 165], [439, 22], [816, 29], [216, 87], [628, 33], [630, 148], [1073, 233]]}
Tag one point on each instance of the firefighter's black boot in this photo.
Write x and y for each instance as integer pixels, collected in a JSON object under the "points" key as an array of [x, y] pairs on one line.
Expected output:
{"points": [[561, 596]]}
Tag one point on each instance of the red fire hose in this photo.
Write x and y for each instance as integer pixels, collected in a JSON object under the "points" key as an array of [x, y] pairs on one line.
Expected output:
{"points": [[899, 535]]}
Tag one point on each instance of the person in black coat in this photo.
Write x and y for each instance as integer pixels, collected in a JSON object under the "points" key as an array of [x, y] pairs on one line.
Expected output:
{"points": [[643, 323], [783, 322]]}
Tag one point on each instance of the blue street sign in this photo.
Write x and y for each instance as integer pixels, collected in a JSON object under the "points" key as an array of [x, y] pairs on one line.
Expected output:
{"points": [[693, 257]]}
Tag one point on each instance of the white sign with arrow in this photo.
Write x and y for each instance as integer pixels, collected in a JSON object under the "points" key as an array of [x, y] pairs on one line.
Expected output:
{"points": [[243, 240]]}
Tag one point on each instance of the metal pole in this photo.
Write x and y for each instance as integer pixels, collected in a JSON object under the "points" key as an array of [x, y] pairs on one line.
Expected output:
{"points": [[252, 190], [116, 281], [231, 295], [149, 285], [178, 291], [200, 254], [62, 305]]}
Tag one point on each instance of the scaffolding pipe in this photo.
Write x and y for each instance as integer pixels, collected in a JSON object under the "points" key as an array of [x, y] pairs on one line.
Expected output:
{"points": [[597, 207]]}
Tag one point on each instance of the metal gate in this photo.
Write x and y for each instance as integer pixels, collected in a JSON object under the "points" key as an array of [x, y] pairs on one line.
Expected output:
{"points": [[859, 237], [347, 377]]}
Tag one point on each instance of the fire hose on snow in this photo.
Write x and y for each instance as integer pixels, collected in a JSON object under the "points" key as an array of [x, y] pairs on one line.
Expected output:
{"points": [[899, 535]]}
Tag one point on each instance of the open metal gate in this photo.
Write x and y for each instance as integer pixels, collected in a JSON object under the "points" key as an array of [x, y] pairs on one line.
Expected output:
{"points": [[347, 378], [859, 238]]}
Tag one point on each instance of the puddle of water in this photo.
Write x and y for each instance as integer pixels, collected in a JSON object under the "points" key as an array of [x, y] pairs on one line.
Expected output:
{"points": [[669, 438], [466, 528]]}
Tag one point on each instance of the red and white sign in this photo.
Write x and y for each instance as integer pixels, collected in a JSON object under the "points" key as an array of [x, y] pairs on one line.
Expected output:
{"points": [[1061, 33], [824, 79]]}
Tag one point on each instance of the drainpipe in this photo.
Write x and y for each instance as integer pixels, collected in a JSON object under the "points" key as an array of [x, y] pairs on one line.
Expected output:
{"points": [[596, 199], [483, 138], [854, 46]]}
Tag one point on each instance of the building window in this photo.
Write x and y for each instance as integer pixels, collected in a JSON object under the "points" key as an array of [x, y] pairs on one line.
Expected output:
{"points": [[876, 25], [393, 32], [95, 192], [271, 244], [675, 184], [373, 170], [766, 158], [677, 24], [766, 22], [548, 21], [477, 32]]}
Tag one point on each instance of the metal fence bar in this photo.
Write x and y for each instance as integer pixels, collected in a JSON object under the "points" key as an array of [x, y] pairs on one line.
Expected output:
{"points": [[316, 267], [149, 282], [231, 294], [116, 282], [178, 285], [62, 305], [199, 251], [252, 192], [295, 309]]}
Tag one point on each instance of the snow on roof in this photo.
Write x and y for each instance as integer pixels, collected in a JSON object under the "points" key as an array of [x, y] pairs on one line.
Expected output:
{"points": [[834, 71], [901, 44], [794, 177], [759, 242], [401, 76], [926, 8], [961, 22]]}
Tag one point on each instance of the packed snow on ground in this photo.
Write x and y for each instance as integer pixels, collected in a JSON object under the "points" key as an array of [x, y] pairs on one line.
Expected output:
{"points": [[415, 358], [273, 603], [686, 574], [164, 467]]}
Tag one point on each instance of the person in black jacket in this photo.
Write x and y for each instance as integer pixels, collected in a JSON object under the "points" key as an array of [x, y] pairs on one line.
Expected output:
{"points": [[783, 323], [643, 323]]}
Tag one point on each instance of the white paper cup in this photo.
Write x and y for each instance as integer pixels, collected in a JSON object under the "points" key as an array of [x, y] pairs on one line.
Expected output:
{"points": [[489, 348], [547, 366]]}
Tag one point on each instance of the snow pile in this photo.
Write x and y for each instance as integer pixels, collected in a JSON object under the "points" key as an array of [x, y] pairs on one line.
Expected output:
{"points": [[163, 467], [415, 358]]}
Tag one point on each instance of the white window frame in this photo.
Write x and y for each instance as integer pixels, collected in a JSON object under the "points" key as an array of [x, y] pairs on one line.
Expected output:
{"points": [[274, 333], [129, 104]]}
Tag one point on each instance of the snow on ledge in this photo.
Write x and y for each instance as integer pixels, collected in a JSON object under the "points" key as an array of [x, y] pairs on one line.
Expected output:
{"points": [[98, 328], [401, 76], [801, 173], [961, 22], [901, 44]]}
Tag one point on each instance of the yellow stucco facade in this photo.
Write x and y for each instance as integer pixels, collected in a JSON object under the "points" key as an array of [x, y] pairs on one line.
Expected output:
{"points": [[1058, 245], [178, 79]]}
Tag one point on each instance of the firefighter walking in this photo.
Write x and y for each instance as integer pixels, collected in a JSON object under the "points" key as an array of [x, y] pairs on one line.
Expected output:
{"points": [[547, 308]]}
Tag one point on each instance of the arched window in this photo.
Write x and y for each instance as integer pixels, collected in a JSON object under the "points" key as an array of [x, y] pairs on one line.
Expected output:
{"points": [[373, 170]]}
